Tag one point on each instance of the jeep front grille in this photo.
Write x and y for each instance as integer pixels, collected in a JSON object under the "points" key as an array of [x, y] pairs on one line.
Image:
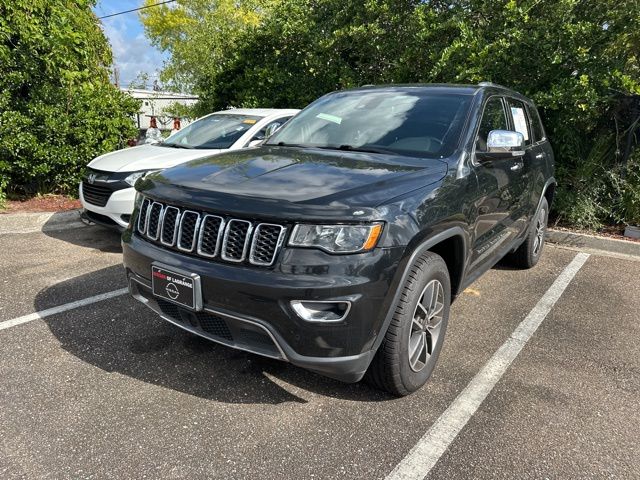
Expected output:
{"points": [[210, 236]]}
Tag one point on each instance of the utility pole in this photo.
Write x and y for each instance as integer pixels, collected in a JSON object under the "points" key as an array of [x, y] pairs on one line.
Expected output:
{"points": [[116, 76]]}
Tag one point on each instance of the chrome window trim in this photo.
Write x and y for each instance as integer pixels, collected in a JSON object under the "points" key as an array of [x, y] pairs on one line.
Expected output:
{"points": [[142, 230], [195, 231], [275, 250], [175, 227], [159, 220], [246, 241], [203, 223]]}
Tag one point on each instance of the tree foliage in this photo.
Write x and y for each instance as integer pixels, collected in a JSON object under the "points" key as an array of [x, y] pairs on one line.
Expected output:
{"points": [[58, 109], [199, 34], [577, 59]]}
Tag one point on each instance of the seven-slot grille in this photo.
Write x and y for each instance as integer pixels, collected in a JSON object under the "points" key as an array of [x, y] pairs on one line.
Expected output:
{"points": [[210, 236]]}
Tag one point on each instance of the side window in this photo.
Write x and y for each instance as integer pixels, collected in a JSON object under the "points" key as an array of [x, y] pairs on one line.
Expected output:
{"points": [[536, 123], [493, 118], [260, 134], [519, 116]]}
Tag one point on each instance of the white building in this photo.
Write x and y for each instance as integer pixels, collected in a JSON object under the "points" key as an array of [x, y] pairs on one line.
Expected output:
{"points": [[154, 104]]}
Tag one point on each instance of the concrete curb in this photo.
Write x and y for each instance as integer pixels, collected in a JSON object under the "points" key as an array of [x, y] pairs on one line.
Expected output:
{"points": [[39, 222], [593, 242]]}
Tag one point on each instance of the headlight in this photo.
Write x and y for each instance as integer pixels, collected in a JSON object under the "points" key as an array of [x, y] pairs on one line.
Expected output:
{"points": [[131, 179], [337, 238]]}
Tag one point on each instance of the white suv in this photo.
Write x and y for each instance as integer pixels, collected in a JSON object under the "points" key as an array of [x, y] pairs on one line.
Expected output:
{"points": [[107, 192]]}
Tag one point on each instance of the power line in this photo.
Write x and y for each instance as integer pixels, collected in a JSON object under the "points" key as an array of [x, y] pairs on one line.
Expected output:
{"points": [[136, 9]]}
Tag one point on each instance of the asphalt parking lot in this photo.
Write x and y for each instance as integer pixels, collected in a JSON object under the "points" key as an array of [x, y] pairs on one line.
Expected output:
{"points": [[109, 390]]}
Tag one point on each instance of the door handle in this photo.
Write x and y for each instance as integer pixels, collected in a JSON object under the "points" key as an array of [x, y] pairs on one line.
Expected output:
{"points": [[516, 167], [540, 156]]}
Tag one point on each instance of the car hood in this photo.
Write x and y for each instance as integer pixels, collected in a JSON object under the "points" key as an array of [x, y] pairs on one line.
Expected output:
{"points": [[280, 181], [147, 157]]}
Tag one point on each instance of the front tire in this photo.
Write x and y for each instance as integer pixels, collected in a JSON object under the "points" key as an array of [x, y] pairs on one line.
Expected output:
{"points": [[528, 254], [411, 346]]}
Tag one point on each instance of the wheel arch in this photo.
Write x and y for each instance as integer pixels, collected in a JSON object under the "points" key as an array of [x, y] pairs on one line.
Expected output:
{"points": [[548, 192], [451, 244]]}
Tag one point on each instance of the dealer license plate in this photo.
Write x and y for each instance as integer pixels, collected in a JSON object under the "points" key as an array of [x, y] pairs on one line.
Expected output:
{"points": [[181, 288]]}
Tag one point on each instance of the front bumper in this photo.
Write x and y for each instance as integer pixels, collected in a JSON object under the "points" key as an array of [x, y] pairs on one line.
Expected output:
{"points": [[117, 210], [249, 307]]}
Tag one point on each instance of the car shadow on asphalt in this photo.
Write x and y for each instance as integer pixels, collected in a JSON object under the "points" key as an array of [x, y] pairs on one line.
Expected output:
{"points": [[90, 236], [122, 336]]}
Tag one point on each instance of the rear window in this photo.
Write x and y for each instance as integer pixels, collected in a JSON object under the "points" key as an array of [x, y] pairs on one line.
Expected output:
{"points": [[520, 121], [536, 123]]}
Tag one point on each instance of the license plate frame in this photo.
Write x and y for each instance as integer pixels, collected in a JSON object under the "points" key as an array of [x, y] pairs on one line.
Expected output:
{"points": [[176, 286]]}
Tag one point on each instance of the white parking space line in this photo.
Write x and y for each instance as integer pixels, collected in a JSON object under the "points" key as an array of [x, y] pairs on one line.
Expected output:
{"points": [[424, 455], [62, 308]]}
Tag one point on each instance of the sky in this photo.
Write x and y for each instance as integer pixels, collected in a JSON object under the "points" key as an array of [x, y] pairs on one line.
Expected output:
{"points": [[132, 51]]}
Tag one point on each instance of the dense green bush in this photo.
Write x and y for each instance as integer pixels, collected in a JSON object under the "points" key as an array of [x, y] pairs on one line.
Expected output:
{"points": [[575, 58], [58, 109]]}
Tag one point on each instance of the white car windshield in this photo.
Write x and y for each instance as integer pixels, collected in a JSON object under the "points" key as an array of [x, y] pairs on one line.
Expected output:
{"points": [[217, 131]]}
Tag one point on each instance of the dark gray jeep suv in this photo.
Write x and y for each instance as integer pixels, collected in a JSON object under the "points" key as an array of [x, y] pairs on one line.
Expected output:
{"points": [[339, 244]]}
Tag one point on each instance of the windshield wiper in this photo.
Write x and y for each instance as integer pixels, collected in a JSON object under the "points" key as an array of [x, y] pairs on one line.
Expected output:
{"points": [[283, 144], [349, 148], [361, 148], [176, 145]]}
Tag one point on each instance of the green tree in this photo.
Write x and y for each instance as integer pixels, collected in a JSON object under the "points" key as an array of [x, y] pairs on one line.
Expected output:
{"points": [[578, 60], [199, 35], [141, 81], [58, 109], [303, 49]]}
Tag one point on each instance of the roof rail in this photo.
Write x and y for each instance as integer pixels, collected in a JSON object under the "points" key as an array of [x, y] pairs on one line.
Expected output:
{"points": [[491, 84]]}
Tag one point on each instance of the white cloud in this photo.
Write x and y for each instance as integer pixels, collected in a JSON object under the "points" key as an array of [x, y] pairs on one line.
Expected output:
{"points": [[132, 50]]}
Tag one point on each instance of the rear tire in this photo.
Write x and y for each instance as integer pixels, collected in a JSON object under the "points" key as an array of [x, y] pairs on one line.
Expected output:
{"points": [[411, 346], [528, 254]]}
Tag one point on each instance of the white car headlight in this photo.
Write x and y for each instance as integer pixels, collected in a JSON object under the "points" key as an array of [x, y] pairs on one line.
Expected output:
{"points": [[131, 179], [337, 238]]}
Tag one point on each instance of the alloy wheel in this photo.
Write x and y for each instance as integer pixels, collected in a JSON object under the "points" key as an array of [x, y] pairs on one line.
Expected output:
{"points": [[425, 325], [540, 228]]}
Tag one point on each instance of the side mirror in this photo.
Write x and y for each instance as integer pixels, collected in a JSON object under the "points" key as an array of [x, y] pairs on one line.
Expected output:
{"points": [[255, 143], [502, 144], [271, 129]]}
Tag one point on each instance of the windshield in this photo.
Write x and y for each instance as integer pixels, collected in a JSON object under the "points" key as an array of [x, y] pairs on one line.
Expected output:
{"points": [[413, 122], [220, 130]]}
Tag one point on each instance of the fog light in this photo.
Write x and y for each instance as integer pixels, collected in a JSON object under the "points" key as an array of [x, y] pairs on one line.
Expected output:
{"points": [[321, 311]]}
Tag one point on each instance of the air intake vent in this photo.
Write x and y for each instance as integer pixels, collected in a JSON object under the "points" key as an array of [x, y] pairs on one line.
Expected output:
{"points": [[95, 194], [236, 240], [153, 224], [170, 222], [143, 216], [266, 242], [211, 232], [189, 223]]}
